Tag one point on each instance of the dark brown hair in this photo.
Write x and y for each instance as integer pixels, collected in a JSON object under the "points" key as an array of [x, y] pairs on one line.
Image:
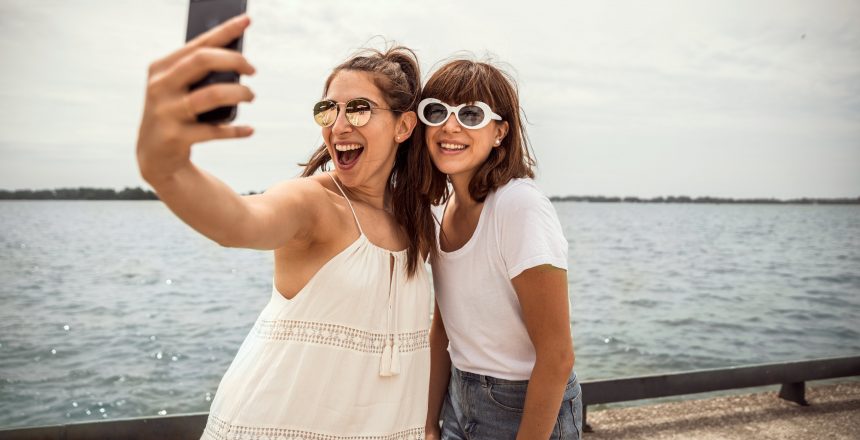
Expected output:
{"points": [[461, 81], [396, 73]]}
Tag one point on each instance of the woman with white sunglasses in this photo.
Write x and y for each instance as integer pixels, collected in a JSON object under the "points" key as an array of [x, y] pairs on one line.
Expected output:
{"points": [[501, 347]]}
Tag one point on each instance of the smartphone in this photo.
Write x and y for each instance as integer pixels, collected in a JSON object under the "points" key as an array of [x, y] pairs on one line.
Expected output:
{"points": [[202, 16]]}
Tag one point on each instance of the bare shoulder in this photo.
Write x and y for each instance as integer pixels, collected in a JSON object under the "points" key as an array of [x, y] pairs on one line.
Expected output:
{"points": [[314, 193], [301, 188], [295, 210]]}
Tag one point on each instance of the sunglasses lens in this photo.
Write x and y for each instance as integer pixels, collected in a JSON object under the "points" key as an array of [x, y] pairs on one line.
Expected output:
{"points": [[470, 115], [435, 113], [358, 112], [325, 112]]}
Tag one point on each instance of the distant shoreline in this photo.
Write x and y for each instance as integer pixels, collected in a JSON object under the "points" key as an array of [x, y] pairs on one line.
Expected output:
{"points": [[145, 194], [708, 200], [82, 194]]}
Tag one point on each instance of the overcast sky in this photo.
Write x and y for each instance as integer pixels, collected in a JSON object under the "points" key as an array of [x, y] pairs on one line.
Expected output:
{"points": [[731, 98]]}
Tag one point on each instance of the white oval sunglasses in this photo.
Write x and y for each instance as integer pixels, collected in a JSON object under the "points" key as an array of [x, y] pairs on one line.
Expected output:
{"points": [[475, 115]]}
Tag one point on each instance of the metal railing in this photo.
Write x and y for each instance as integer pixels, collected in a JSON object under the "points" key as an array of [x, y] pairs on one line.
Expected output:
{"points": [[791, 375], [181, 426]]}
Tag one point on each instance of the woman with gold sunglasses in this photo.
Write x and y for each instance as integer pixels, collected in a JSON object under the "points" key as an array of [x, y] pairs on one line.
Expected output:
{"points": [[341, 348]]}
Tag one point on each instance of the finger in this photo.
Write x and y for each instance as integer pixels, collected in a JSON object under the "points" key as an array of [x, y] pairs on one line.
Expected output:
{"points": [[217, 95], [219, 36], [207, 132], [196, 65], [223, 34]]}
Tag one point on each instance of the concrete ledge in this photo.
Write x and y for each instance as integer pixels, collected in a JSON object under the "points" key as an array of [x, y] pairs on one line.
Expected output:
{"points": [[834, 413]]}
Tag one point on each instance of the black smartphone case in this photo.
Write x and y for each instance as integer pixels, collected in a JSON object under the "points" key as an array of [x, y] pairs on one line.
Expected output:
{"points": [[202, 16]]}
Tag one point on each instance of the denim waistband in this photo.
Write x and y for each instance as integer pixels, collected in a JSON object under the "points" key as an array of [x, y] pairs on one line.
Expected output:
{"points": [[490, 380]]}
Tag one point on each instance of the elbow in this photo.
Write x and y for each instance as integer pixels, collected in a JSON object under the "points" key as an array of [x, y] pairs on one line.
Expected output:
{"points": [[559, 361], [566, 360], [225, 243]]}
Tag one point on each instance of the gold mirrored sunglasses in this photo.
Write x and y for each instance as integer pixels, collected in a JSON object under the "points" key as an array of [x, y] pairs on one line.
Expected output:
{"points": [[357, 111]]}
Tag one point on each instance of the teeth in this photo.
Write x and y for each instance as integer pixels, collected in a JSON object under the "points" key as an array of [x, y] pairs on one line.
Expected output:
{"points": [[347, 147], [452, 146]]}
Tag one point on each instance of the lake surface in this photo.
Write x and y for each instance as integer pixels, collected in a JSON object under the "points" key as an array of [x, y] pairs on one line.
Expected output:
{"points": [[117, 309]]}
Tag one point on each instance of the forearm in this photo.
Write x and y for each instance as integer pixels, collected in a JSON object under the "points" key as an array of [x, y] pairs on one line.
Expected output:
{"points": [[543, 398], [203, 202], [440, 375]]}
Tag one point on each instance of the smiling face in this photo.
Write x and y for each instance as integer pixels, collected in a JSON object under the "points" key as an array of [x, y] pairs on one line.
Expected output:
{"points": [[363, 156], [459, 151]]}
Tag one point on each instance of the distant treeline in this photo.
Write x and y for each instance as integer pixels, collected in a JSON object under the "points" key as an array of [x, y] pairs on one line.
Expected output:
{"points": [[79, 194], [715, 200], [144, 194]]}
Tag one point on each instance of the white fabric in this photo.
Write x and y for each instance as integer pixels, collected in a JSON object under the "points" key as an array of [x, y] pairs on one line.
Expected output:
{"points": [[518, 229], [347, 357]]}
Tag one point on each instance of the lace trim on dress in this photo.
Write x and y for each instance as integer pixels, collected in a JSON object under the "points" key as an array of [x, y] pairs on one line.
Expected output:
{"points": [[338, 336], [218, 429]]}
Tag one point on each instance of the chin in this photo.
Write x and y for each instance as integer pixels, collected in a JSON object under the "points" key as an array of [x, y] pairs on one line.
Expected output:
{"points": [[451, 170]]}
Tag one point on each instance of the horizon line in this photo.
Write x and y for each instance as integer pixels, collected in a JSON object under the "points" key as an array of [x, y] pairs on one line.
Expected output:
{"points": [[106, 192]]}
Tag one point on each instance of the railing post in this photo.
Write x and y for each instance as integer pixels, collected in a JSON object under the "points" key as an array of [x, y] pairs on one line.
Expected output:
{"points": [[794, 392], [585, 426]]}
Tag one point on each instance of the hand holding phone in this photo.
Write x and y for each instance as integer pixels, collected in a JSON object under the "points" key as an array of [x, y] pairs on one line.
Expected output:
{"points": [[204, 15], [169, 125]]}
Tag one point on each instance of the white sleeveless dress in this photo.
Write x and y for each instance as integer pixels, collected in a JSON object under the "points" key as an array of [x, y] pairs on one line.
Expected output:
{"points": [[347, 358]]}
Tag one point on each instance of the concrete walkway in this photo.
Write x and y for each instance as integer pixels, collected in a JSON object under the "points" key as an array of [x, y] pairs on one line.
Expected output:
{"points": [[834, 413]]}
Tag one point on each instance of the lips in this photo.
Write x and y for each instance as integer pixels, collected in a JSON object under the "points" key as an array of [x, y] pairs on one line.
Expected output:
{"points": [[452, 147], [348, 154]]}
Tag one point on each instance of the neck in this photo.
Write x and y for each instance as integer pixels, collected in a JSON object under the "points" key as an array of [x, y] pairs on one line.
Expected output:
{"points": [[373, 193], [460, 182]]}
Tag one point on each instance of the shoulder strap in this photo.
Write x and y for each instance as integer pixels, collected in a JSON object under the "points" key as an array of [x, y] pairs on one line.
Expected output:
{"points": [[348, 202]]}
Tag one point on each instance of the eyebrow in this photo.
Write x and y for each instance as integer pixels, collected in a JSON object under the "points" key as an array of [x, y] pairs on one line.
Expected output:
{"points": [[368, 99], [357, 97]]}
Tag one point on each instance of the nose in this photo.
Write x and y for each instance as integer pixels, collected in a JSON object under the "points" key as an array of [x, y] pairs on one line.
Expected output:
{"points": [[451, 125], [341, 125]]}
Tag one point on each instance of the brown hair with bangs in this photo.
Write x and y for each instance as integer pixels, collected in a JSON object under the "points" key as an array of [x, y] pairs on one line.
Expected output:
{"points": [[395, 72], [463, 81]]}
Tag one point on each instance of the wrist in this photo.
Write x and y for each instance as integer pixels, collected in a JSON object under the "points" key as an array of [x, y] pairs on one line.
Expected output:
{"points": [[161, 175]]}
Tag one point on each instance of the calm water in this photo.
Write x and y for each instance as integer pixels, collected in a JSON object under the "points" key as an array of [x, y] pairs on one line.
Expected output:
{"points": [[117, 309]]}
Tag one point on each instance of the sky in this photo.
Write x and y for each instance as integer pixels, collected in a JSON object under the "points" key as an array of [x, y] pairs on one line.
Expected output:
{"points": [[729, 98]]}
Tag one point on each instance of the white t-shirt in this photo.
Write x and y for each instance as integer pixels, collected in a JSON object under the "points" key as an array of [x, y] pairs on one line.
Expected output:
{"points": [[518, 229]]}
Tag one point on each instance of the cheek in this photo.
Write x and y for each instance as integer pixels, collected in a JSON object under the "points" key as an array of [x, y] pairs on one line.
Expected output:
{"points": [[380, 141], [486, 135], [429, 134], [326, 135]]}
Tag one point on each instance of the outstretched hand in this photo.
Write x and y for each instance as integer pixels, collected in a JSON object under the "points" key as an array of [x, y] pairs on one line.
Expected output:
{"points": [[169, 125]]}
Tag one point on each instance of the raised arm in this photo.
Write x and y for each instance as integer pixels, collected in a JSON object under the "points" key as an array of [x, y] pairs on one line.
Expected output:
{"points": [[169, 128]]}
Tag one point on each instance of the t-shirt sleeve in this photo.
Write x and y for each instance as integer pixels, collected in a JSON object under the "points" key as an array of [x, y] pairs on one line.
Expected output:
{"points": [[529, 232]]}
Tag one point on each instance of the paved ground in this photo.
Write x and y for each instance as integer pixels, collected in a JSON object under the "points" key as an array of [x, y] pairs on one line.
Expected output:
{"points": [[834, 413]]}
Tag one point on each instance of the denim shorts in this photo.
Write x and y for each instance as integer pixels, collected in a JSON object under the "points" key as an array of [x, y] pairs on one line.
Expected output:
{"points": [[485, 408]]}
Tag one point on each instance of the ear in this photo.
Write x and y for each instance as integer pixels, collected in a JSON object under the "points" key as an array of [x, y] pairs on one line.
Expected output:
{"points": [[405, 125], [500, 132]]}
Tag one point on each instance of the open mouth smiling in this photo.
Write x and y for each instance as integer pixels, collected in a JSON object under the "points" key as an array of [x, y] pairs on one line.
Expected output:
{"points": [[348, 154]]}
